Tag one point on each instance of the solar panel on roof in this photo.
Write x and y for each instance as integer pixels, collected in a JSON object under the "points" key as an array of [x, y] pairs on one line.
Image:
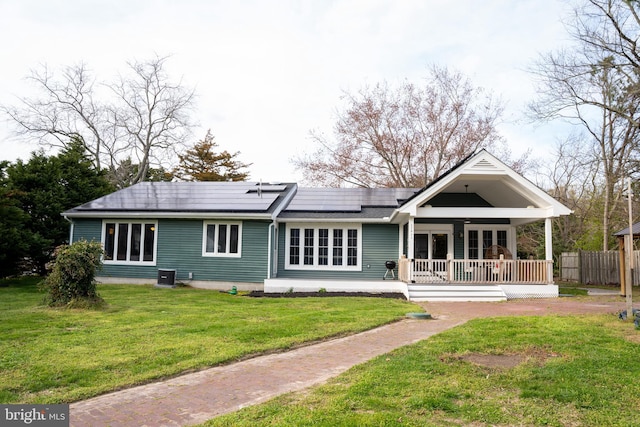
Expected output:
{"points": [[220, 196], [346, 199]]}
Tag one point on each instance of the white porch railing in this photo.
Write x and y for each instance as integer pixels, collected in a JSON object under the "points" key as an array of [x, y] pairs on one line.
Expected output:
{"points": [[476, 271]]}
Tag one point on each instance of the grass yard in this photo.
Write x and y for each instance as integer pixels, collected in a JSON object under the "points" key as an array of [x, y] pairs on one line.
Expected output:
{"points": [[506, 371], [57, 356]]}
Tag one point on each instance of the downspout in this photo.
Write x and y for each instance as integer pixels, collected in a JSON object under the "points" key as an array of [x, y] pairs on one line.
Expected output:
{"points": [[270, 249], [70, 228], [272, 227]]}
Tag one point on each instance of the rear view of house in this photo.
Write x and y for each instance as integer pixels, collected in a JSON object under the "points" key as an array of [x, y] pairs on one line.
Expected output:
{"points": [[454, 239]]}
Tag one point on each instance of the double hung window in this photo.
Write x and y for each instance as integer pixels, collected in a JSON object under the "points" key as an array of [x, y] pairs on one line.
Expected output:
{"points": [[222, 239]]}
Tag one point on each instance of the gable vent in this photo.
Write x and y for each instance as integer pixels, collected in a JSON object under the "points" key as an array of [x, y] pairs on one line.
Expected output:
{"points": [[484, 164]]}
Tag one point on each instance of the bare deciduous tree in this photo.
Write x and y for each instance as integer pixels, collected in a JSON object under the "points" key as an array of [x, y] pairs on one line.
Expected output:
{"points": [[65, 111], [151, 115], [596, 86], [404, 136], [572, 177], [143, 116]]}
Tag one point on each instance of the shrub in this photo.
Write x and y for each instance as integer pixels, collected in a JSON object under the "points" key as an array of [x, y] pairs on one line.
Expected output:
{"points": [[71, 280]]}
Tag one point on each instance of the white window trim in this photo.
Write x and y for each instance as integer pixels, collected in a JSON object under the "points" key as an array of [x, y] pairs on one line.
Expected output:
{"points": [[217, 254], [103, 239], [316, 240], [494, 229]]}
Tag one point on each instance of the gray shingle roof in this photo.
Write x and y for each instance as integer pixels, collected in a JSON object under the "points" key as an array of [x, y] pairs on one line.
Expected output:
{"points": [[636, 230]]}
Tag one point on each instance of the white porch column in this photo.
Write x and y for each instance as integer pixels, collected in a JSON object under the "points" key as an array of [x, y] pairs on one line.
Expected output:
{"points": [[401, 241], [548, 249], [410, 230], [548, 240]]}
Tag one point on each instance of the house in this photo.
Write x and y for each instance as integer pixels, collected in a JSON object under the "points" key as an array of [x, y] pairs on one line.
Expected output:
{"points": [[454, 239]]}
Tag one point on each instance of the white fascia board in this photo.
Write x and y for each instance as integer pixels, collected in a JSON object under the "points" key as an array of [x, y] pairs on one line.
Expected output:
{"points": [[384, 220], [532, 191], [522, 221], [519, 184], [168, 215], [484, 213]]}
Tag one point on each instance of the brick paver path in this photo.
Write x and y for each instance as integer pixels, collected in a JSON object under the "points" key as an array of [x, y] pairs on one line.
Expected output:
{"points": [[196, 397]]}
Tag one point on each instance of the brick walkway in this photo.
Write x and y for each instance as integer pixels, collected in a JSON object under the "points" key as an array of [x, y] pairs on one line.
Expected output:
{"points": [[197, 397]]}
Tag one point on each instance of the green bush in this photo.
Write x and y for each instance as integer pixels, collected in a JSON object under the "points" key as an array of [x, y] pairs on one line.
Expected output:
{"points": [[71, 280]]}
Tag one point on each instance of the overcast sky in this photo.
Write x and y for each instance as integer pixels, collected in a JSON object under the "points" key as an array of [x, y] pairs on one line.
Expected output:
{"points": [[267, 72]]}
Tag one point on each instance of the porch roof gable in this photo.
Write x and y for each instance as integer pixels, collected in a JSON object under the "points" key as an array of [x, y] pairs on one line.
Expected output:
{"points": [[488, 179]]}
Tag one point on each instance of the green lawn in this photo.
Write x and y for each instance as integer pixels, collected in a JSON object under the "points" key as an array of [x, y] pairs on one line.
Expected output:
{"points": [[567, 371], [55, 356]]}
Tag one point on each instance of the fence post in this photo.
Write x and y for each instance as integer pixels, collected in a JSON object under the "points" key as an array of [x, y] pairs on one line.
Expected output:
{"points": [[580, 266]]}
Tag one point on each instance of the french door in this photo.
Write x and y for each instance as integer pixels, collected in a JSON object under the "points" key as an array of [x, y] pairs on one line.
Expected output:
{"points": [[430, 251]]}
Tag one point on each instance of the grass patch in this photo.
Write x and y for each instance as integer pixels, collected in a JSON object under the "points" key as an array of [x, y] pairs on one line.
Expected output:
{"points": [[566, 290], [551, 371], [144, 333]]}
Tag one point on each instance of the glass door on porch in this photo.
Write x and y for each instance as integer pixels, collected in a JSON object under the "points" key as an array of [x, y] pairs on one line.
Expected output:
{"points": [[432, 247]]}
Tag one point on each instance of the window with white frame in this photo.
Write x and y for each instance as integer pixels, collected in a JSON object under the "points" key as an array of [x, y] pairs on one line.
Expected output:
{"points": [[479, 239], [323, 247], [223, 239], [129, 242]]}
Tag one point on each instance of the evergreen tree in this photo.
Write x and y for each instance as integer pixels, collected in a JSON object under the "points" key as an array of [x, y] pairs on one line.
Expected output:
{"points": [[45, 187], [202, 163], [14, 237]]}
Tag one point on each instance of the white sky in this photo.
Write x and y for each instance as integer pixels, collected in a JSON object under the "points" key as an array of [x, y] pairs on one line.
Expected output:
{"points": [[267, 72]]}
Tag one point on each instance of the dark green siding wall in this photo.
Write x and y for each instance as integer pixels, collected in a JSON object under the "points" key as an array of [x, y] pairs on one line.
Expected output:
{"points": [[379, 244], [458, 243], [180, 248], [458, 200]]}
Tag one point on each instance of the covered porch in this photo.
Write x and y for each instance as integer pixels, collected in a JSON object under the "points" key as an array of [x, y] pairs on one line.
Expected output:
{"points": [[461, 231]]}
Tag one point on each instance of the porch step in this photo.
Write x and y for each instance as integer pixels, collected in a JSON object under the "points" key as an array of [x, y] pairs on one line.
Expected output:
{"points": [[444, 292]]}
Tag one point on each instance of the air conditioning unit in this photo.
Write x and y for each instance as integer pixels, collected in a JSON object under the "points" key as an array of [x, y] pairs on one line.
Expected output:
{"points": [[166, 278]]}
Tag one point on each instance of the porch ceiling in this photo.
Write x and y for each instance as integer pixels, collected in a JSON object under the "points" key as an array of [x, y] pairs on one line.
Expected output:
{"points": [[500, 192]]}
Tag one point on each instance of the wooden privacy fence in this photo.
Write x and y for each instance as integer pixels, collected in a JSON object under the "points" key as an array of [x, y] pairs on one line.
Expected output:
{"points": [[595, 267]]}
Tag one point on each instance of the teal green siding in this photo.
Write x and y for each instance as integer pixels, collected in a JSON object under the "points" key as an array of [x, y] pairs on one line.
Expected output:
{"points": [[180, 248], [87, 229], [379, 244]]}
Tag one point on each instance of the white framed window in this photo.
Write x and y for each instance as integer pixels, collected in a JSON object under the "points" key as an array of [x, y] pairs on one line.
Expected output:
{"points": [[323, 247], [129, 242], [222, 239], [479, 239]]}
